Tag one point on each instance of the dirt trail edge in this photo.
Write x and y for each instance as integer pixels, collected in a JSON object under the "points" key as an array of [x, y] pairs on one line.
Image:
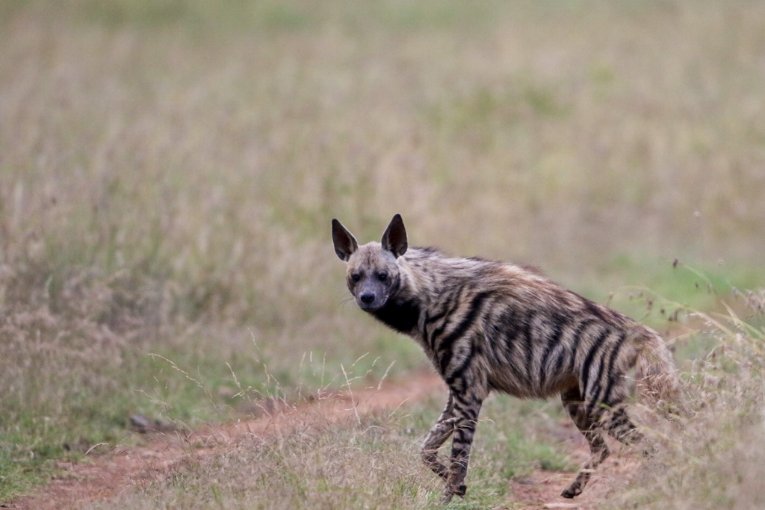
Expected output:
{"points": [[104, 476]]}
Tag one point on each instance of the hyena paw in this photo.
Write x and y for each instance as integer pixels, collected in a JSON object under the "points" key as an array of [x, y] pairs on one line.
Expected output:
{"points": [[450, 492], [572, 491]]}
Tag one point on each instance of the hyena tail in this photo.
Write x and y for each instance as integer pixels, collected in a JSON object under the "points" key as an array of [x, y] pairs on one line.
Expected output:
{"points": [[655, 372]]}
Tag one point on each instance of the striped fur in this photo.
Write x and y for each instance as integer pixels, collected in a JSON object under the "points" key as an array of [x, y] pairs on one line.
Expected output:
{"points": [[489, 325]]}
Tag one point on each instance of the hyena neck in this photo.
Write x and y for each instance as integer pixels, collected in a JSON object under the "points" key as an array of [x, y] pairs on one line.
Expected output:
{"points": [[400, 313]]}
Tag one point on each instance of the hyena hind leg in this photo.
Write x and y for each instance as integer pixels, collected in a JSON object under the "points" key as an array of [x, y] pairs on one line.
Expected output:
{"points": [[620, 426], [588, 425], [618, 423]]}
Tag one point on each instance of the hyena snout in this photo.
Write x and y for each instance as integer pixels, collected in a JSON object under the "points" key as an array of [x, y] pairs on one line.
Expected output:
{"points": [[370, 297]]}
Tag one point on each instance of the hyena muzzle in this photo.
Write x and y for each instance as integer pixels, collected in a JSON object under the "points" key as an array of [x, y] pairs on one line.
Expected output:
{"points": [[489, 325]]}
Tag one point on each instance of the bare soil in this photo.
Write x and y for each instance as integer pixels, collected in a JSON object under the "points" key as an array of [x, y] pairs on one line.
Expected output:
{"points": [[541, 489], [106, 474]]}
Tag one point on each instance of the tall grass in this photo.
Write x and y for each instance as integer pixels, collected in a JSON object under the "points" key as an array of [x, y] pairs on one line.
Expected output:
{"points": [[168, 170], [713, 456]]}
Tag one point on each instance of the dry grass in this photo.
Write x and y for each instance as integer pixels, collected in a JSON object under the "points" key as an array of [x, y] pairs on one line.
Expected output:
{"points": [[713, 457], [168, 170]]}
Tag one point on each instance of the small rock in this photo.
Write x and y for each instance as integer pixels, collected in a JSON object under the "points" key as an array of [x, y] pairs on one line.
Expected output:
{"points": [[144, 425]]}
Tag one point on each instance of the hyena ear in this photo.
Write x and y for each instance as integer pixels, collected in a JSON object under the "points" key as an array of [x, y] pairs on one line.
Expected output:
{"points": [[394, 238], [345, 243]]}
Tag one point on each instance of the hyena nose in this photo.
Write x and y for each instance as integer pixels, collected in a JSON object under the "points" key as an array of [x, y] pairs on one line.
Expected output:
{"points": [[367, 298]]}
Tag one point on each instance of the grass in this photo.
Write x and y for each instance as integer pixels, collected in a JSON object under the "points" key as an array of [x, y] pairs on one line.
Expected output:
{"points": [[655, 291], [168, 171]]}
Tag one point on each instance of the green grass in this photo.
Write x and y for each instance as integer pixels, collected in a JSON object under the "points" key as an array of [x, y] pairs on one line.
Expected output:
{"points": [[656, 291], [168, 171]]}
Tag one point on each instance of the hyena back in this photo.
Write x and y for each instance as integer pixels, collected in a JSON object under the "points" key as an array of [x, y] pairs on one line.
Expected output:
{"points": [[489, 325]]}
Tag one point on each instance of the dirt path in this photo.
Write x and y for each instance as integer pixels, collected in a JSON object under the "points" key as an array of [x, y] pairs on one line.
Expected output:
{"points": [[106, 475]]}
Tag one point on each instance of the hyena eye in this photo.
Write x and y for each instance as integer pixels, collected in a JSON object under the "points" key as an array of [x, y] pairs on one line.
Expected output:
{"points": [[355, 277], [382, 276]]}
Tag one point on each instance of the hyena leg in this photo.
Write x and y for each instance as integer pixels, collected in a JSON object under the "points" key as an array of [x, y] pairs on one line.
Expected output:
{"points": [[620, 427], [437, 436], [467, 405], [587, 423], [618, 424]]}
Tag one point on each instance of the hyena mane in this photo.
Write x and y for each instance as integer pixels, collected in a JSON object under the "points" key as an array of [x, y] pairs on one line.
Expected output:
{"points": [[488, 325]]}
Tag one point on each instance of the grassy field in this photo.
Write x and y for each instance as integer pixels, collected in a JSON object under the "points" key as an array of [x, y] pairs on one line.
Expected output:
{"points": [[168, 170]]}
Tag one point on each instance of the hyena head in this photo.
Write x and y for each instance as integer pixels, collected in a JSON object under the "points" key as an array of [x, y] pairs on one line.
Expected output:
{"points": [[373, 274]]}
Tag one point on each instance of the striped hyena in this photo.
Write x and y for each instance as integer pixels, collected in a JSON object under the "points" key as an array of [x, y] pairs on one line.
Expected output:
{"points": [[495, 326]]}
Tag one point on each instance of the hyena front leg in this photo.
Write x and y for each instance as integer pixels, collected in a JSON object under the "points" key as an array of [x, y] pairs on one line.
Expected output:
{"points": [[437, 436], [468, 398], [588, 425]]}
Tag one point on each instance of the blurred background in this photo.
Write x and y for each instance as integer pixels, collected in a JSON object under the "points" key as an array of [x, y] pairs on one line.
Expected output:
{"points": [[169, 169]]}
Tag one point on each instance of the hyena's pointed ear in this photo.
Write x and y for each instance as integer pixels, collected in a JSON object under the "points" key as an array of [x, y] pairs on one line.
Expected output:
{"points": [[345, 243], [394, 238]]}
